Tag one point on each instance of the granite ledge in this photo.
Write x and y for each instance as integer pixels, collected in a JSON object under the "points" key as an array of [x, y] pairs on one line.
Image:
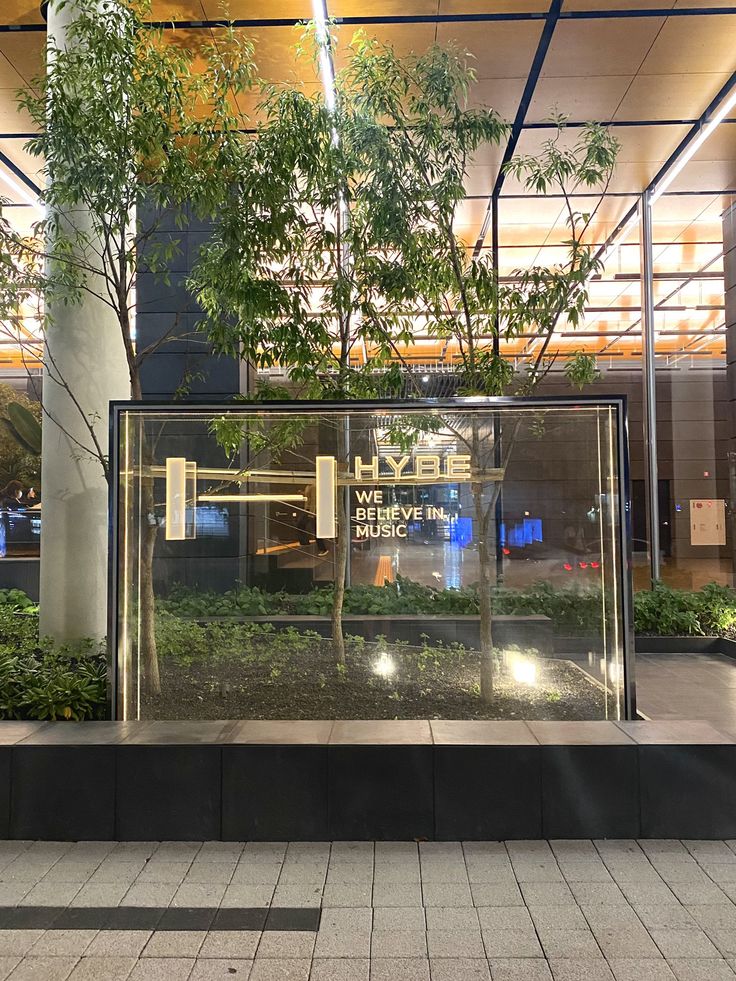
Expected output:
{"points": [[389, 732]]}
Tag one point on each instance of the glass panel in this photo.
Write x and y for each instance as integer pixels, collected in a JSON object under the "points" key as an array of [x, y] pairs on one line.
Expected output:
{"points": [[482, 546]]}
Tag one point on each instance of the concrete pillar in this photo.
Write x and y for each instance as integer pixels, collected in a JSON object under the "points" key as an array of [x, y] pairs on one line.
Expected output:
{"points": [[84, 347]]}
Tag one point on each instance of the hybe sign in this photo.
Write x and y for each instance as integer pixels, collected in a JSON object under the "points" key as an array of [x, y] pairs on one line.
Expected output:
{"points": [[376, 519]]}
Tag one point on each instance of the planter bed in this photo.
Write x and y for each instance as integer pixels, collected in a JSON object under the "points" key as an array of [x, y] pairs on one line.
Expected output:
{"points": [[292, 676]]}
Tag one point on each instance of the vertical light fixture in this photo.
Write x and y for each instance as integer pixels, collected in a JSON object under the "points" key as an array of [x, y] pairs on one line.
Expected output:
{"points": [[326, 474], [181, 486]]}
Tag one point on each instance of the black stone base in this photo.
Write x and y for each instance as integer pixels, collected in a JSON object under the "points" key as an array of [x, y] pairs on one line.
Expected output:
{"points": [[364, 780]]}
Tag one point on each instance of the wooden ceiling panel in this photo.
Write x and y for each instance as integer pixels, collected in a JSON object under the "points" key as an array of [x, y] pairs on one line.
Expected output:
{"points": [[598, 99], [693, 44], [618, 4], [490, 6], [403, 38], [250, 9], [10, 77], [682, 96], [25, 52], [501, 94], [647, 142], [377, 8], [20, 12], [12, 119], [179, 10], [720, 145], [501, 49], [600, 47], [706, 175]]}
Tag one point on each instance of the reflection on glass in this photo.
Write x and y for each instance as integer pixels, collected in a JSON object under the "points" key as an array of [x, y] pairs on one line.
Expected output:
{"points": [[486, 573]]}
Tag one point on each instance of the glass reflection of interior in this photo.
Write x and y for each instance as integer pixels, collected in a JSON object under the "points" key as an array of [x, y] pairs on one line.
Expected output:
{"points": [[230, 534]]}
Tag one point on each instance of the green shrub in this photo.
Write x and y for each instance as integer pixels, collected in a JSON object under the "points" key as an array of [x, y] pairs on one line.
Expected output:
{"points": [[38, 681], [683, 613], [16, 599]]}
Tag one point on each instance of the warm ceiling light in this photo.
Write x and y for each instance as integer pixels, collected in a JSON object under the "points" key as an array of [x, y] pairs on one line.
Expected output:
{"points": [[327, 71], [18, 189], [726, 106]]}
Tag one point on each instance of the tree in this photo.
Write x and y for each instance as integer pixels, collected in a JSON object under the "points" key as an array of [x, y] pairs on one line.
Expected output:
{"points": [[130, 127], [317, 233], [351, 241]]}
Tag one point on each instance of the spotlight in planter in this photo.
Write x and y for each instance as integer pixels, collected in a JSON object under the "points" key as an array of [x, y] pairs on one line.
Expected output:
{"points": [[384, 667], [523, 670]]}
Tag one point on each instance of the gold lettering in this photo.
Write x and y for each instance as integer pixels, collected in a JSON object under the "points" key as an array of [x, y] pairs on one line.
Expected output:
{"points": [[363, 470], [428, 466], [397, 465], [458, 466]]}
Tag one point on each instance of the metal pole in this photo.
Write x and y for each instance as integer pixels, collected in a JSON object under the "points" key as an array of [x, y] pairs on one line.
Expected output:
{"points": [[495, 259], [649, 383]]}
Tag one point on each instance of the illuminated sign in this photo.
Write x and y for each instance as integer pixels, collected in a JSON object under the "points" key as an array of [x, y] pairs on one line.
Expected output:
{"points": [[455, 466]]}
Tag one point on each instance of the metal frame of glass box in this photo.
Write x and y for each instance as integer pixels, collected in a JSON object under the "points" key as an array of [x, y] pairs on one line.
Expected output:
{"points": [[479, 403]]}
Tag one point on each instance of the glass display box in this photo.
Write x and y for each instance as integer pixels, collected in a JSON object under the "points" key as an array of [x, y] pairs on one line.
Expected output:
{"points": [[458, 559]]}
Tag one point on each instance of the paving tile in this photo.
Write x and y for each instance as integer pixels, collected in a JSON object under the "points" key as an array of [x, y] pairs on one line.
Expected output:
{"points": [[400, 918], [446, 894], [683, 943], [237, 944], [7, 964], [496, 894], [287, 944], [497, 919], [103, 969], [118, 943], [257, 874], [231, 969], [13, 892], [537, 871], [515, 969], [692, 969], [43, 969], [569, 943], [100, 894], [667, 915], [340, 969], [584, 871], [724, 940], [649, 893], [172, 872], [701, 893], [547, 894], [399, 943], [455, 943], [455, 918], [162, 969], [247, 896], [617, 942], [405, 969], [156, 894], [629, 969], [271, 969], [714, 917], [59, 943], [548, 918], [199, 894], [598, 894], [51, 894], [347, 894], [18, 941], [398, 874], [511, 944], [459, 969], [394, 894], [174, 943], [573, 969], [294, 896]]}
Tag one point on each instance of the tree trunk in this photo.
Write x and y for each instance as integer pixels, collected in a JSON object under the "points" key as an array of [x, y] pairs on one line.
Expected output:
{"points": [[147, 612], [341, 564], [486, 562], [342, 547]]}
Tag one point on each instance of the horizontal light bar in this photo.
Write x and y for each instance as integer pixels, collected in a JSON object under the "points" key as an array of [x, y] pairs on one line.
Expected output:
{"points": [[233, 498]]}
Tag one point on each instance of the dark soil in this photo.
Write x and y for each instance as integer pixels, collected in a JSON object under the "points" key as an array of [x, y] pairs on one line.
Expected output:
{"points": [[300, 680]]}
